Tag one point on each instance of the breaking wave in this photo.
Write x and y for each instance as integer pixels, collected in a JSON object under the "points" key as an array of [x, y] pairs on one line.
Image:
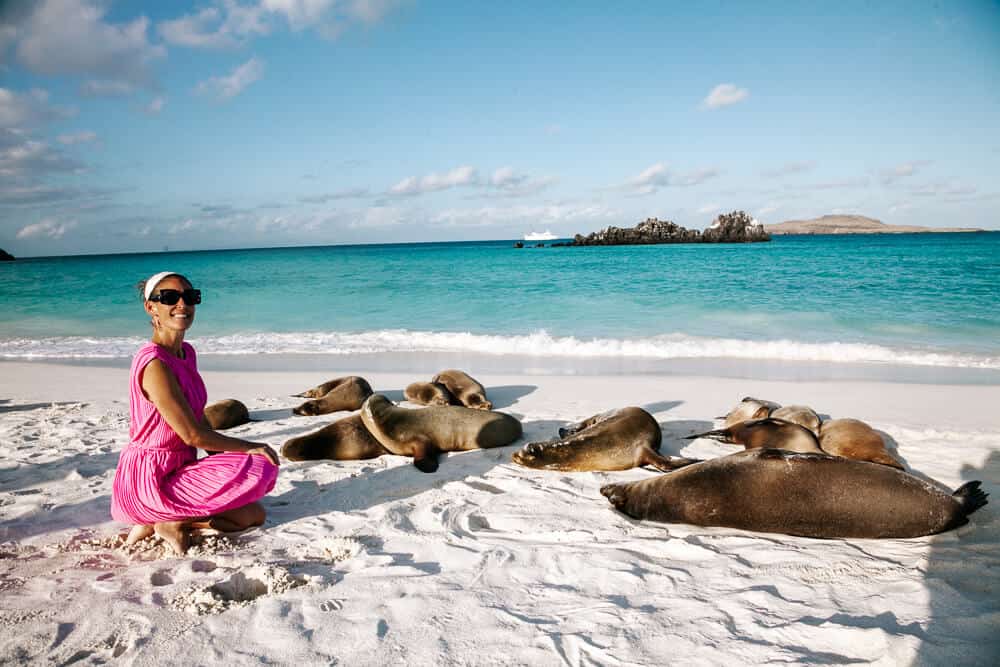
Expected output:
{"points": [[541, 343]]}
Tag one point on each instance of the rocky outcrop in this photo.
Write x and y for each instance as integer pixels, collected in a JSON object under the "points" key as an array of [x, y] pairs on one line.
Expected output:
{"points": [[5, 256], [735, 227], [853, 224]]}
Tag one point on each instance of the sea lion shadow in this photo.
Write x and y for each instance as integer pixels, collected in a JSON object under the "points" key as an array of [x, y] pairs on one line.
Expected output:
{"points": [[394, 395], [273, 413], [892, 447], [675, 432], [661, 406], [505, 396], [958, 580], [361, 492]]}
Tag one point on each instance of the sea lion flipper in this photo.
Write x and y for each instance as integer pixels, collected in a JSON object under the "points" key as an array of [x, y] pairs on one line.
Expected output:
{"points": [[718, 434], [971, 496], [425, 456], [647, 457]]}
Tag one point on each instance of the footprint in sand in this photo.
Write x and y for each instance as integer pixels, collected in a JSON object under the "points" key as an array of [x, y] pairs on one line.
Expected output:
{"points": [[331, 605], [240, 589]]}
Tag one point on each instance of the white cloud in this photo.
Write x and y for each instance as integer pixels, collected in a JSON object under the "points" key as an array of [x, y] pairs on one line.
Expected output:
{"points": [[950, 189], [414, 185], [659, 175], [767, 209], [724, 95], [580, 213], [709, 208], [106, 88], [29, 109], [77, 138], [506, 182], [155, 105], [901, 171], [26, 160], [48, 227], [215, 28], [789, 168], [181, 227], [71, 37], [350, 193], [229, 86], [328, 17]]}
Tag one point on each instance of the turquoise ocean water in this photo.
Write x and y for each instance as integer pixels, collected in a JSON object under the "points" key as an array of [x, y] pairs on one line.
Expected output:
{"points": [[929, 300]]}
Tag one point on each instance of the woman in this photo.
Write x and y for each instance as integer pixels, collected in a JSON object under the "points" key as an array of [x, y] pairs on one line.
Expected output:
{"points": [[160, 485]]}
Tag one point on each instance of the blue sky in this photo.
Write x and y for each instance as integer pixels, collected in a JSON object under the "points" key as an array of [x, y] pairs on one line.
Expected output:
{"points": [[134, 126]]}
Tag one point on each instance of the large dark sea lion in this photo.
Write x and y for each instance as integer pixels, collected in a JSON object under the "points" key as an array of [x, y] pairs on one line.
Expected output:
{"points": [[344, 440], [747, 409], [429, 393], [616, 440], [802, 415], [347, 393], [469, 393], [425, 432], [226, 414], [767, 432], [854, 439], [813, 495]]}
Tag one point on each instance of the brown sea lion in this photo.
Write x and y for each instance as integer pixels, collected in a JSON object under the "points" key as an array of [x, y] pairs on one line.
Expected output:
{"points": [[802, 415], [616, 440], [346, 393], [429, 393], [854, 439], [768, 432], [226, 414], [812, 495], [344, 440], [425, 432], [469, 393], [747, 409]]}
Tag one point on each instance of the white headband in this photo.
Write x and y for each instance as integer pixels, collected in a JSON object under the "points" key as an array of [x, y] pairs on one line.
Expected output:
{"points": [[155, 279]]}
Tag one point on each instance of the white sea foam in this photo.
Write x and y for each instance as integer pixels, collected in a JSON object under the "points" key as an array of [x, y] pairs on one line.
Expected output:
{"points": [[541, 343]]}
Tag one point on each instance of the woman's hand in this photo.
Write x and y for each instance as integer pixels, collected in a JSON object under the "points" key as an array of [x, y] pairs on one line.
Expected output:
{"points": [[264, 449]]}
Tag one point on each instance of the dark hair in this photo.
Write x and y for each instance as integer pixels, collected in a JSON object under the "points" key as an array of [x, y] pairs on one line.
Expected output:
{"points": [[141, 285]]}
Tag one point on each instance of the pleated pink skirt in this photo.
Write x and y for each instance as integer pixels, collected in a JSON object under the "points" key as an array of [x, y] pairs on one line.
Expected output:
{"points": [[161, 484]]}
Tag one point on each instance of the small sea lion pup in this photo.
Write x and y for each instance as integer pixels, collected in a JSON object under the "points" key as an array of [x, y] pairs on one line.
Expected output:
{"points": [[347, 393], [854, 439], [226, 414], [344, 440], [802, 415], [812, 495], [615, 440], [749, 408], [429, 393], [426, 432], [768, 432], [469, 393]]}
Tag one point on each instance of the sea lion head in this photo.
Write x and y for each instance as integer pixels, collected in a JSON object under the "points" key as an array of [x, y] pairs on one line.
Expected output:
{"points": [[307, 409], [543, 454], [478, 402], [375, 405]]}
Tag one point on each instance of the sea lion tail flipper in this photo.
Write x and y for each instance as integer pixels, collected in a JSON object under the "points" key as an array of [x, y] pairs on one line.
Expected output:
{"points": [[425, 457], [647, 457], [970, 496]]}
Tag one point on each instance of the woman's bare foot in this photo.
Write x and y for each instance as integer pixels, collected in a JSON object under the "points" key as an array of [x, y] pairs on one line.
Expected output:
{"points": [[176, 534], [138, 533]]}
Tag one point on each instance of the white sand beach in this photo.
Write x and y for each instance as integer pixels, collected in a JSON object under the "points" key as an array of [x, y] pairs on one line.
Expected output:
{"points": [[483, 562]]}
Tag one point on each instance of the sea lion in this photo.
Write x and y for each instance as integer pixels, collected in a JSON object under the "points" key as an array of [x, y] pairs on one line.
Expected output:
{"points": [[768, 432], [469, 393], [429, 393], [616, 440], [344, 440], [854, 439], [812, 495], [425, 432], [802, 415], [347, 393], [747, 409], [226, 414]]}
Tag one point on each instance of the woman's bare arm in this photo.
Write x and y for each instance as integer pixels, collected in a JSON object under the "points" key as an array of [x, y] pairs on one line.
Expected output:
{"points": [[163, 391]]}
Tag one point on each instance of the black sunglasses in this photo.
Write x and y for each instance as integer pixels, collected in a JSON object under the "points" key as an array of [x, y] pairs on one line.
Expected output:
{"points": [[170, 297]]}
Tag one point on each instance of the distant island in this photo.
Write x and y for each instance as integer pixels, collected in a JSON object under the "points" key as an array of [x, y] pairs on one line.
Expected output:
{"points": [[852, 224], [6, 256], [735, 227]]}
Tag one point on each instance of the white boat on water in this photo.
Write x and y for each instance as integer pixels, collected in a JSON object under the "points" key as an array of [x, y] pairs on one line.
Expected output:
{"points": [[540, 236]]}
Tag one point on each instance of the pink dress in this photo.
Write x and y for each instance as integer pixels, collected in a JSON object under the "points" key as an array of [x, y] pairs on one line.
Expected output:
{"points": [[159, 478]]}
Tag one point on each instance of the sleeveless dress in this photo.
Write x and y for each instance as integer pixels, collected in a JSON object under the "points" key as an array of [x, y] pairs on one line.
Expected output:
{"points": [[159, 478]]}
